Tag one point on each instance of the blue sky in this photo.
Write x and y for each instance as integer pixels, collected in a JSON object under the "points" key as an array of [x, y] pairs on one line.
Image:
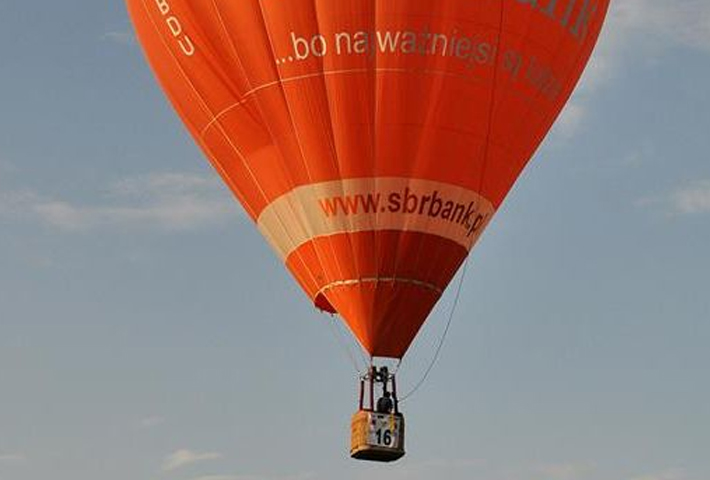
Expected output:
{"points": [[147, 332]]}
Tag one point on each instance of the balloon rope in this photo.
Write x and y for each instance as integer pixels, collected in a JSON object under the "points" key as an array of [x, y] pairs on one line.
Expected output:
{"points": [[342, 344], [443, 335]]}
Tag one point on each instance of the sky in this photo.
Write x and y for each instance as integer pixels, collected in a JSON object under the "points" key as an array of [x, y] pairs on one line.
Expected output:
{"points": [[148, 333]]}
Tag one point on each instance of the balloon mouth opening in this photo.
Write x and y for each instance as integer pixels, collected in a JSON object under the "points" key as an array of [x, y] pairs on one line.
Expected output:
{"points": [[323, 304]]}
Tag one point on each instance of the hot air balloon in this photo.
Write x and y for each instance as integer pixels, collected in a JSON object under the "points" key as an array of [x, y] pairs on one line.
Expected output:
{"points": [[371, 141]]}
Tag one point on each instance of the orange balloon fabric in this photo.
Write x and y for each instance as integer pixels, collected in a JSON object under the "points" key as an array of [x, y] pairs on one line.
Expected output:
{"points": [[371, 141]]}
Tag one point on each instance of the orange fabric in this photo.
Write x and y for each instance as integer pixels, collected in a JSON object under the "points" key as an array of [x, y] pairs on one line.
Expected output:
{"points": [[282, 94], [388, 314]]}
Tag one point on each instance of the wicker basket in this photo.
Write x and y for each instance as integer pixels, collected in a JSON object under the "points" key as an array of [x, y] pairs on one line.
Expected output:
{"points": [[377, 437]]}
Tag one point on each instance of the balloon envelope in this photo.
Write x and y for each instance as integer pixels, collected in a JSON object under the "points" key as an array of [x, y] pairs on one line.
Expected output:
{"points": [[371, 141]]}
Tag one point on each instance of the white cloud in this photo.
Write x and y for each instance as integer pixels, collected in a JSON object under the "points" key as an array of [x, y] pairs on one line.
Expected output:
{"points": [[183, 458], [442, 468], [646, 28], [123, 38], [570, 119], [298, 476], [672, 474], [14, 202], [173, 201], [453, 464], [150, 422], [218, 477], [639, 155], [691, 199], [6, 167], [664, 23], [166, 182], [565, 471], [694, 198], [12, 458]]}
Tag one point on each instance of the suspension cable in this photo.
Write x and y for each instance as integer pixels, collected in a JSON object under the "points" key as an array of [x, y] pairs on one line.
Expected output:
{"points": [[337, 334], [443, 335], [485, 162]]}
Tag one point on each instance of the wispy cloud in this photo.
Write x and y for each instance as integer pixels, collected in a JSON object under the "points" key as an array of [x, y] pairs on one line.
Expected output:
{"points": [[297, 476], [647, 28], [183, 458], [666, 24], [218, 477], [694, 198], [122, 38], [571, 118], [639, 155], [150, 422], [565, 471], [691, 199], [671, 474], [174, 201], [439, 468], [13, 203], [12, 458], [6, 167]]}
